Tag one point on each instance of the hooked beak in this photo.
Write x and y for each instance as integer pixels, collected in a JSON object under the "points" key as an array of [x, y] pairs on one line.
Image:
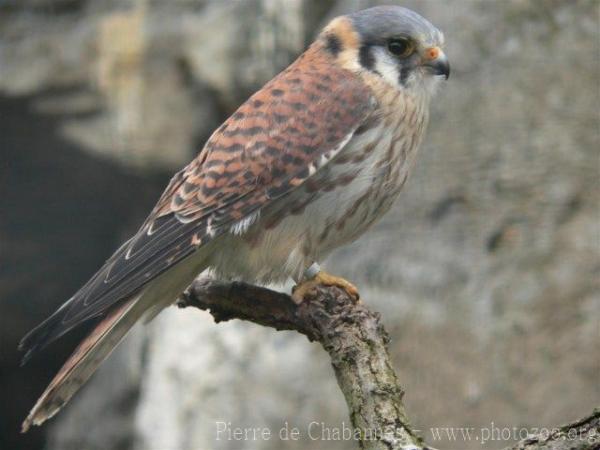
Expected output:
{"points": [[436, 60]]}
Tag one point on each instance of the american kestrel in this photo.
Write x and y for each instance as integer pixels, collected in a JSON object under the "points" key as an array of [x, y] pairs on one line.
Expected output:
{"points": [[304, 166]]}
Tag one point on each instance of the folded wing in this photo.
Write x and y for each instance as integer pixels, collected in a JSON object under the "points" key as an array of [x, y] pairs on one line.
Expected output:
{"points": [[274, 142]]}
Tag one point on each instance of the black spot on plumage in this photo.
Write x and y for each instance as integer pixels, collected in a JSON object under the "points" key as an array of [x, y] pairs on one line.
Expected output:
{"points": [[325, 233], [178, 200], [188, 187], [298, 106], [228, 148], [238, 115], [277, 172], [329, 187], [291, 159], [280, 118], [307, 148], [277, 92], [272, 151], [366, 58], [332, 130], [257, 114], [367, 125], [258, 103], [362, 129], [341, 101], [303, 173], [333, 44], [252, 131]]}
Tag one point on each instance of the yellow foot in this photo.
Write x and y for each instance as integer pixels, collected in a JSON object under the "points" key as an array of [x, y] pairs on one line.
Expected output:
{"points": [[322, 279]]}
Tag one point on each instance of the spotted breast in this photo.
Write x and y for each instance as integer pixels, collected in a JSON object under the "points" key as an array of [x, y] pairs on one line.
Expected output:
{"points": [[337, 204]]}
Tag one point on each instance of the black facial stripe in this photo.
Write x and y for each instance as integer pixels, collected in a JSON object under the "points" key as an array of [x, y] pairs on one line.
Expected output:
{"points": [[404, 73], [333, 45], [366, 58]]}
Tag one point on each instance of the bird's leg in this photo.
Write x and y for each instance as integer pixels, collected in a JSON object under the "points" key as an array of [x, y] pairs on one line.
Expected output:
{"points": [[313, 277]]}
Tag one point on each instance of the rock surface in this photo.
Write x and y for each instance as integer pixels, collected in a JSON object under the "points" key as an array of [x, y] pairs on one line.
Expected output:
{"points": [[485, 272]]}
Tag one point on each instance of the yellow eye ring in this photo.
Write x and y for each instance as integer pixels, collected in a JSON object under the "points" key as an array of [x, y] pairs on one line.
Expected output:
{"points": [[401, 47]]}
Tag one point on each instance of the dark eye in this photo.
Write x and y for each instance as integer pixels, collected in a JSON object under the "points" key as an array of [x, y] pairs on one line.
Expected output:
{"points": [[402, 47]]}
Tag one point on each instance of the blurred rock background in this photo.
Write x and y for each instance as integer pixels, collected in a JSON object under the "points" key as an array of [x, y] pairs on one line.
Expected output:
{"points": [[486, 271]]}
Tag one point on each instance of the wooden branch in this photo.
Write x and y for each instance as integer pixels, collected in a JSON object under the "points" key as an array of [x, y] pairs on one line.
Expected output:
{"points": [[583, 434], [351, 334], [357, 345]]}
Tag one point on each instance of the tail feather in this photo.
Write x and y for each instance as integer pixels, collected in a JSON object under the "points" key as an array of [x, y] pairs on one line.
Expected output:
{"points": [[42, 335], [92, 351]]}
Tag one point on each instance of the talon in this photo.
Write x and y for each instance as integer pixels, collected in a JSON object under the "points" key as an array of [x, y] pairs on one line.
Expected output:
{"points": [[323, 278], [300, 290]]}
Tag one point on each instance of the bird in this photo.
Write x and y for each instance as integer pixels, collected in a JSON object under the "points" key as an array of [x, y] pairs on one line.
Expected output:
{"points": [[307, 164]]}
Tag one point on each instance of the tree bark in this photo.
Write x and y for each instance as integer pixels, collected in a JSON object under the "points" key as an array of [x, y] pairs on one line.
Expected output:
{"points": [[583, 434], [357, 343]]}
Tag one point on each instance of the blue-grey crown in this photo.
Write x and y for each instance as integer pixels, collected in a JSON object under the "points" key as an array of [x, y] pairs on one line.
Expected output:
{"points": [[375, 25]]}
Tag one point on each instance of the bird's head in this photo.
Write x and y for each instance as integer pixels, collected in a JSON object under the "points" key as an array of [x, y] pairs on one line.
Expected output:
{"points": [[391, 42]]}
